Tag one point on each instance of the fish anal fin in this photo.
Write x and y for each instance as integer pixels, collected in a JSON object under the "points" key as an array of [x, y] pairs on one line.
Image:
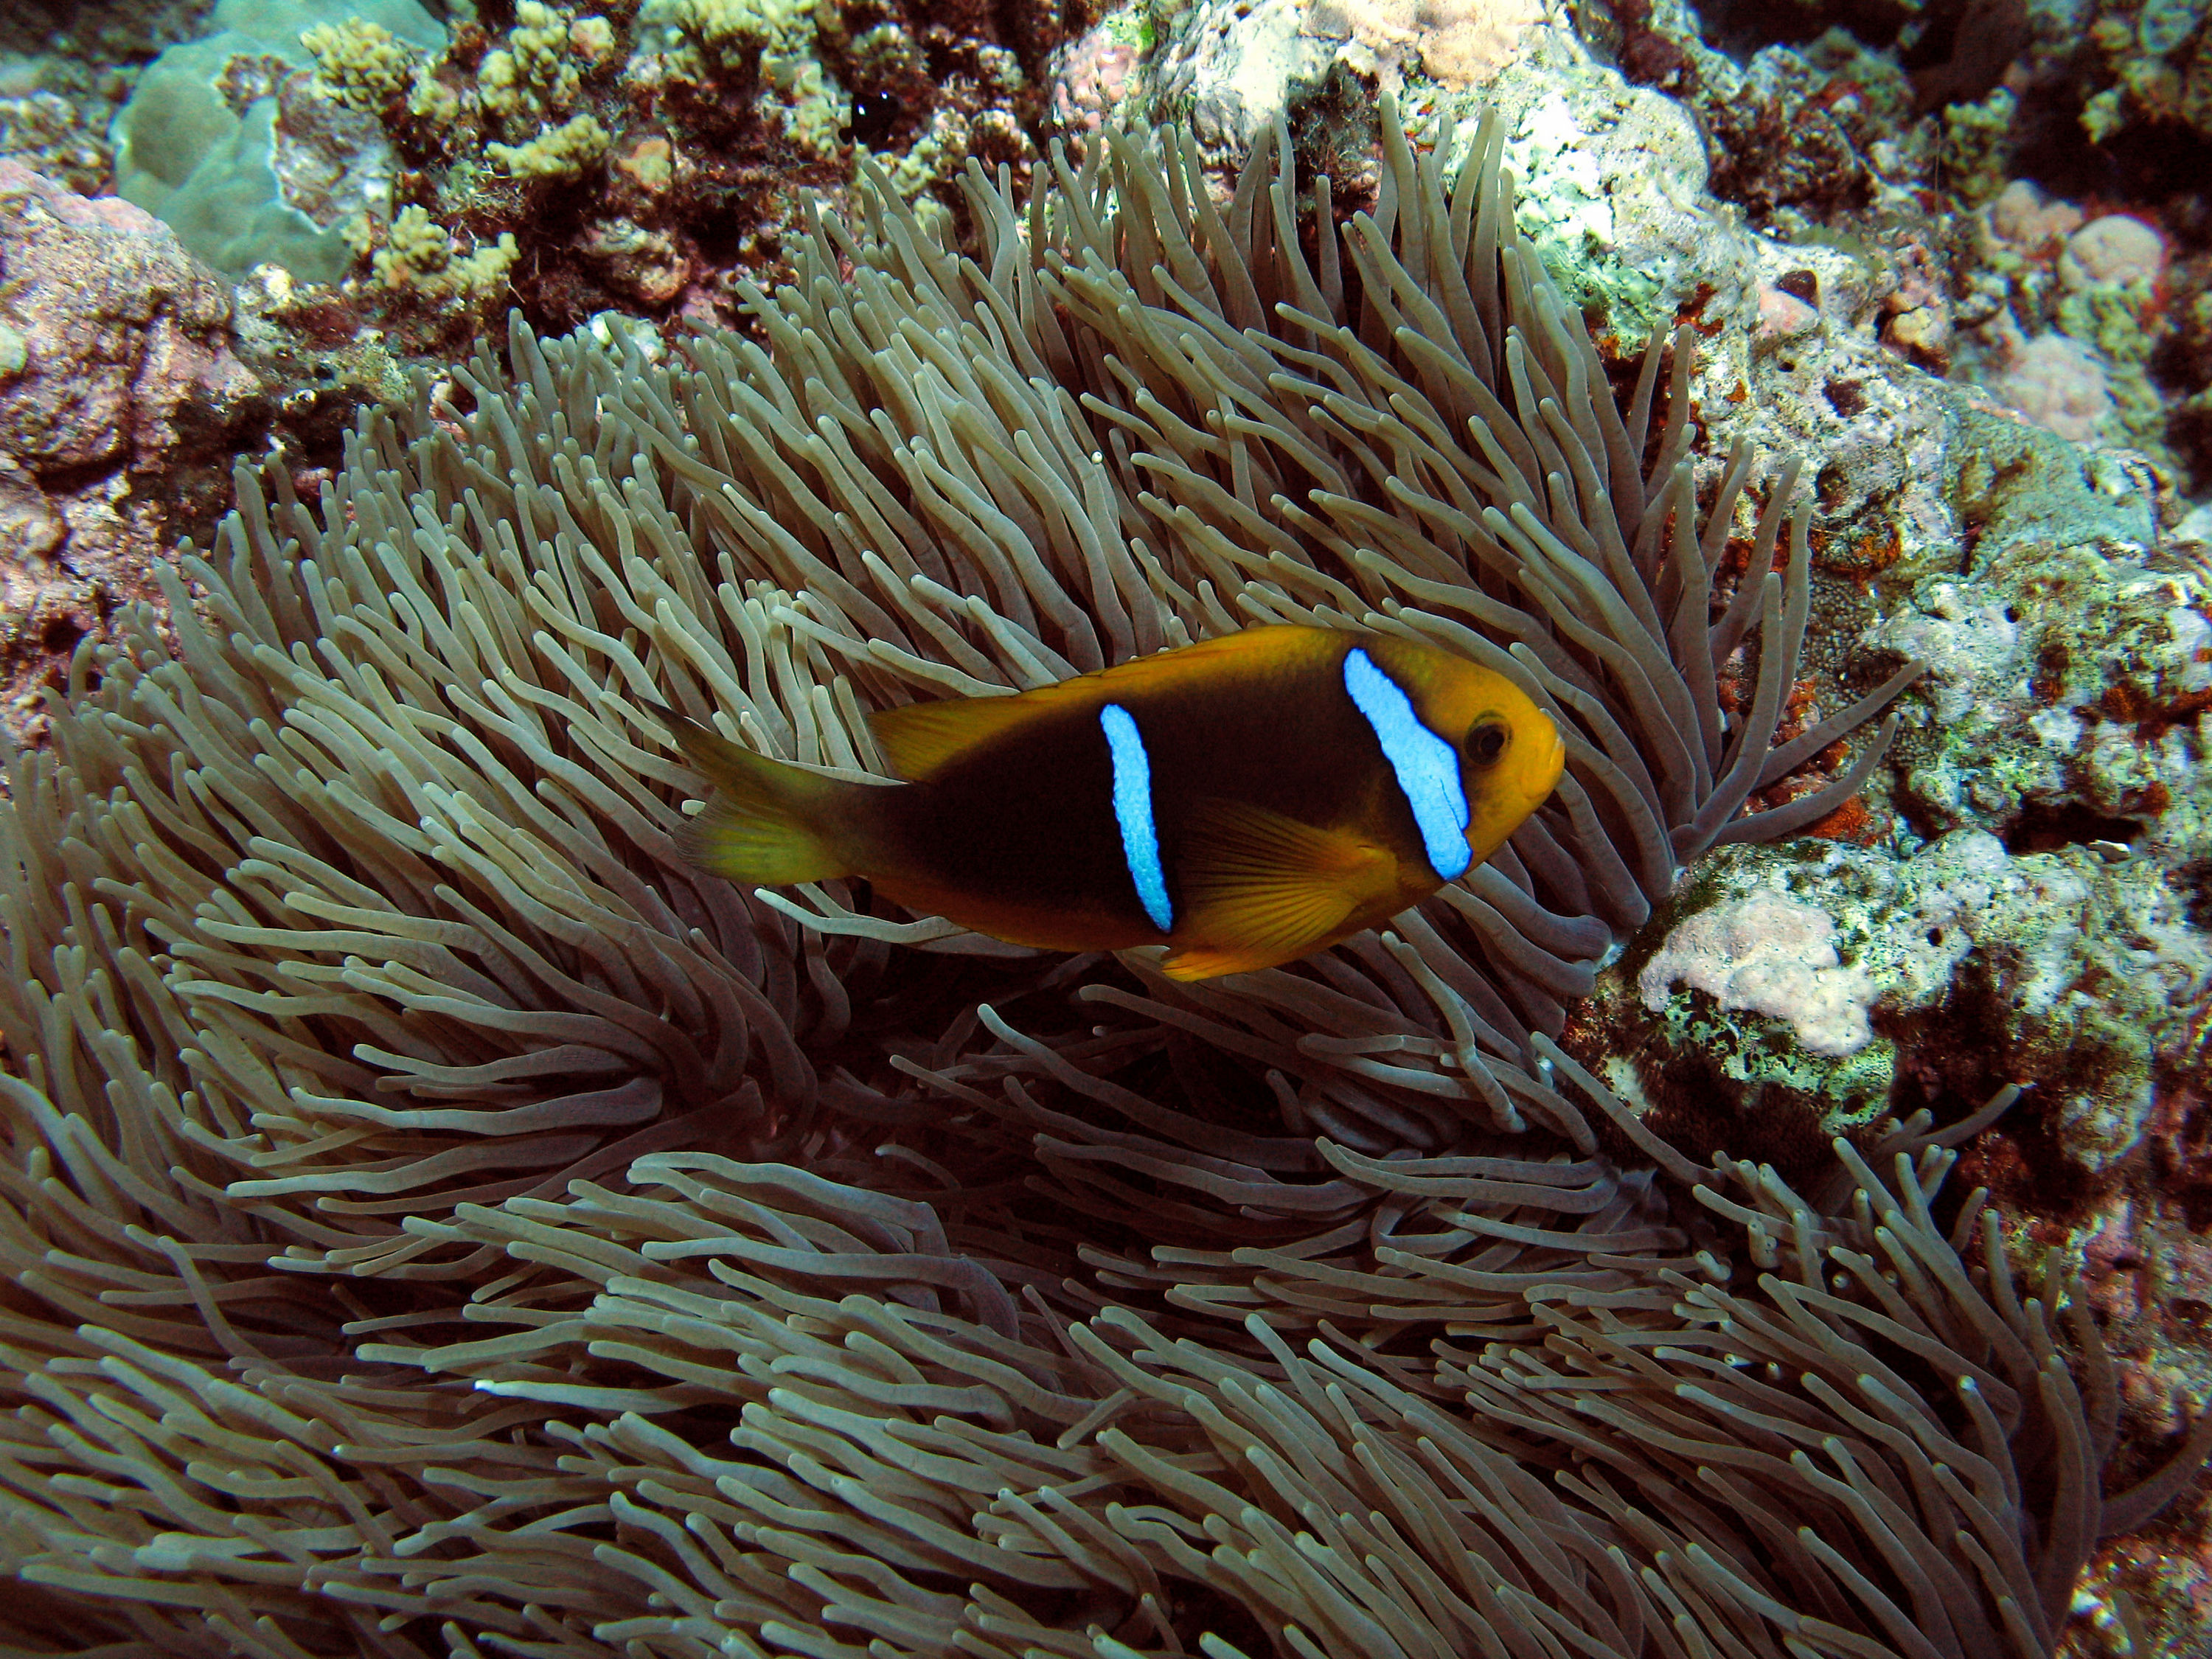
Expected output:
{"points": [[1264, 889]]}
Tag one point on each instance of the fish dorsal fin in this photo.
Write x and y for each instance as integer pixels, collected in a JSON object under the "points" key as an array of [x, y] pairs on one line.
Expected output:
{"points": [[920, 739], [1263, 889]]}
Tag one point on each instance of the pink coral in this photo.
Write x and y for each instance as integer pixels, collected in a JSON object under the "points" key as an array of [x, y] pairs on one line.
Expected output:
{"points": [[1461, 43], [2113, 249], [1770, 954], [1783, 316], [2024, 217], [1093, 77], [2057, 383], [1918, 307]]}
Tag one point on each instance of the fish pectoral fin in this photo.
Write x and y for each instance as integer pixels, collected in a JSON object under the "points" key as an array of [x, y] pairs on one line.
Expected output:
{"points": [[1263, 889]]}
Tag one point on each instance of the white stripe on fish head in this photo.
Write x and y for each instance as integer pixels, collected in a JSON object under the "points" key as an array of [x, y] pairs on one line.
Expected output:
{"points": [[1426, 767]]}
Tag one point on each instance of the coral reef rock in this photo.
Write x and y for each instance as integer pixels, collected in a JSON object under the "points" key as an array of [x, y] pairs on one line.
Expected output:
{"points": [[120, 396]]}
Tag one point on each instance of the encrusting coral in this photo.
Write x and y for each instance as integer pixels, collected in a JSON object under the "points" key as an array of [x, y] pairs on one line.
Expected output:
{"points": [[437, 1218]]}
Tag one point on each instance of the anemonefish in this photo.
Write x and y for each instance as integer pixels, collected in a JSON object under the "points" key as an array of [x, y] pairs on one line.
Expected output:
{"points": [[1243, 801]]}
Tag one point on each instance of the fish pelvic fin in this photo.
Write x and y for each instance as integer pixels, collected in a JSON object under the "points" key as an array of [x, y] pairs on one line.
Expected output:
{"points": [[769, 822], [1264, 889]]}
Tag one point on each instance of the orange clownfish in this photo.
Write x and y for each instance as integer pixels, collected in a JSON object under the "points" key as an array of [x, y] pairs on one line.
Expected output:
{"points": [[1243, 801]]}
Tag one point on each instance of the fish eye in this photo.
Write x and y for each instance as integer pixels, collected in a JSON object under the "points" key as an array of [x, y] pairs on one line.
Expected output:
{"points": [[1486, 742]]}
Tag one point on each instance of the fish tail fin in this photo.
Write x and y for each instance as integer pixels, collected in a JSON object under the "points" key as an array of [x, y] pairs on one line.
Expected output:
{"points": [[769, 822]]}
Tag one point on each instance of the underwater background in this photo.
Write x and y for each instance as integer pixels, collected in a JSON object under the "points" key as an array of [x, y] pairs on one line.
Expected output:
{"points": [[437, 1219]]}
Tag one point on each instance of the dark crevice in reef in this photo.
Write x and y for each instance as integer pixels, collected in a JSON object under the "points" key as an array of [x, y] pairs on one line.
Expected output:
{"points": [[2047, 826], [2148, 161], [1953, 1058], [1743, 27]]}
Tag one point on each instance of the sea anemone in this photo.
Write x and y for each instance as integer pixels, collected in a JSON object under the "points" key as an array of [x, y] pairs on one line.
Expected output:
{"points": [[438, 1218]]}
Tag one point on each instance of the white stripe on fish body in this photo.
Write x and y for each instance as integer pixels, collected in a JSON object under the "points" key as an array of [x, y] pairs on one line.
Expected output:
{"points": [[1133, 812], [1426, 767]]}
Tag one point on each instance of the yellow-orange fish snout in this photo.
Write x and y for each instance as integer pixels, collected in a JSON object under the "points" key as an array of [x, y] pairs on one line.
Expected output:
{"points": [[1504, 802], [1548, 764]]}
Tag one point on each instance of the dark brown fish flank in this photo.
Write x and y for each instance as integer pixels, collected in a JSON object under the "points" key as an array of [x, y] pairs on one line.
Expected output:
{"points": [[1033, 807]]}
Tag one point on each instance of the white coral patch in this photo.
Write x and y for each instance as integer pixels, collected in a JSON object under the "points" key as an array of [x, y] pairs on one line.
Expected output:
{"points": [[1969, 643], [1769, 954], [1562, 195]]}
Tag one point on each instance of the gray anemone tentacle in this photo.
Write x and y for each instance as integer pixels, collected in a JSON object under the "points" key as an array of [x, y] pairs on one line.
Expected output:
{"points": [[438, 1219]]}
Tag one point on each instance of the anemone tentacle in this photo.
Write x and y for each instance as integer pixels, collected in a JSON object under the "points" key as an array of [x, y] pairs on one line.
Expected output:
{"points": [[436, 1217]]}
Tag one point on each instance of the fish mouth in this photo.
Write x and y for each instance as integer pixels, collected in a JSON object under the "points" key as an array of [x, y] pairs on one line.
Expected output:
{"points": [[1553, 773]]}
